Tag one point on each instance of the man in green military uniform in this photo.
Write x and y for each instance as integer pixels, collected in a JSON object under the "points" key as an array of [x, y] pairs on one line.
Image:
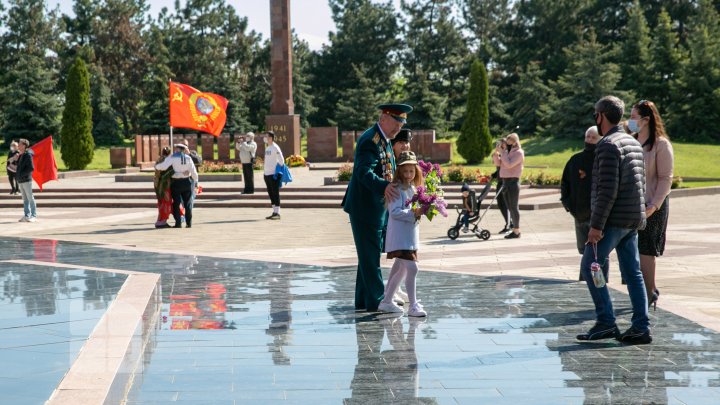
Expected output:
{"points": [[369, 188]]}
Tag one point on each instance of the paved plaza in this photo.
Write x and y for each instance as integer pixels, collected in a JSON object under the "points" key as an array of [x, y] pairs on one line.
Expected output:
{"points": [[252, 311]]}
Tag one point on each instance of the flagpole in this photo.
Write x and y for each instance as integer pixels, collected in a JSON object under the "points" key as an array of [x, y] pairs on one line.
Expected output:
{"points": [[172, 145]]}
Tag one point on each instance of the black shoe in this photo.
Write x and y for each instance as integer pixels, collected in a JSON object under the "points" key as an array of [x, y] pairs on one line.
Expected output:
{"points": [[512, 235], [504, 230], [275, 216], [188, 226], [600, 331], [271, 216], [635, 337], [177, 226]]}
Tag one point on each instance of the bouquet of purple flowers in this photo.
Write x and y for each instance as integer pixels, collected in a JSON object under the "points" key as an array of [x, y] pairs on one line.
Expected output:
{"points": [[429, 198]]}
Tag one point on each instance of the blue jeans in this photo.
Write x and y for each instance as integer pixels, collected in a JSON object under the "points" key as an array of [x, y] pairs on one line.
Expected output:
{"points": [[624, 241], [465, 218], [28, 200]]}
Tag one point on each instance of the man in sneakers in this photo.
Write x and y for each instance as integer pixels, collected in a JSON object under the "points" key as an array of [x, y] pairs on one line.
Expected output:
{"points": [[273, 158], [25, 168], [618, 211]]}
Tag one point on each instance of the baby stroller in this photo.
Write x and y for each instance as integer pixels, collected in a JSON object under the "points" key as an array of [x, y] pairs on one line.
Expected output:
{"points": [[475, 216]]}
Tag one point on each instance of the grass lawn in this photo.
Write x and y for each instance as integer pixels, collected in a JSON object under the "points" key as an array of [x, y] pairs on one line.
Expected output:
{"points": [[550, 155]]}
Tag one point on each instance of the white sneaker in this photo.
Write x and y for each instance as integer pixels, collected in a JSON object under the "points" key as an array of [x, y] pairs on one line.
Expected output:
{"points": [[32, 219], [465, 229], [24, 219], [417, 310], [401, 294], [389, 307]]}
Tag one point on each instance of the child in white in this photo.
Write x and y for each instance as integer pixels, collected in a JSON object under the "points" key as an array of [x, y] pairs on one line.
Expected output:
{"points": [[403, 236]]}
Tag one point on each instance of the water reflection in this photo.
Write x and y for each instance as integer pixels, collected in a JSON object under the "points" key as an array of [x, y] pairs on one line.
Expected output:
{"points": [[296, 337], [280, 312]]}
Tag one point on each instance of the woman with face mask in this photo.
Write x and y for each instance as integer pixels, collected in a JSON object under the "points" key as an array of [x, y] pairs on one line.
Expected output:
{"points": [[647, 127], [11, 167], [511, 161]]}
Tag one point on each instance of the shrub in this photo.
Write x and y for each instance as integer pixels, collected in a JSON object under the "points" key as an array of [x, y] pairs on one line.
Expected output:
{"points": [[219, 167], [677, 182], [455, 174], [345, 172], [295, 161], [259, 164], [541, 179]]}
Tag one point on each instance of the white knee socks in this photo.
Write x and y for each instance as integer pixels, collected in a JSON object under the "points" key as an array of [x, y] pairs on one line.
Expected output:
{"points": [[411, 270], [397, 272]]}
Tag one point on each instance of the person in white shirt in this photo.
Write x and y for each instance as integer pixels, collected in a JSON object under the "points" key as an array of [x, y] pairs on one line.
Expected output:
{"points": [[181, 187], [246, 149], [273, 157]]}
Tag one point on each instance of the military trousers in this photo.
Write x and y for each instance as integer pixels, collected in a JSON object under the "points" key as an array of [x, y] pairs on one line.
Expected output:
{"points": [[369, 287]]}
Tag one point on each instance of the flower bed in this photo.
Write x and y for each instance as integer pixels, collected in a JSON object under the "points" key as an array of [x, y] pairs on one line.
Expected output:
{"points": [[219, 167], [295, 161]]}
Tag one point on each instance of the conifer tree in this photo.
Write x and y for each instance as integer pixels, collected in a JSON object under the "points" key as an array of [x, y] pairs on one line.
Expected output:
{"points": [[697, 105], [590, 75], [76, 134], [475, 143], [358, 109], [636, 62], [666, 58], [531, 101], [427, 105], [105, 126], [31, 107]]}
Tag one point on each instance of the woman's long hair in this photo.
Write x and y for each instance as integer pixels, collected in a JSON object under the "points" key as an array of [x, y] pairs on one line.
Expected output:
{"points": [[515, 138], [647, 109]]}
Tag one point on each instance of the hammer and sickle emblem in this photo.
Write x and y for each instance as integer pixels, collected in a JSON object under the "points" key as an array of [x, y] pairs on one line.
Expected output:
{"points": [[178, 96]]}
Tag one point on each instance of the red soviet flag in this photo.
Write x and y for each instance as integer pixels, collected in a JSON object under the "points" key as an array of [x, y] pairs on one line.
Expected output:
{"points": [[194, 109], [44, 162]]}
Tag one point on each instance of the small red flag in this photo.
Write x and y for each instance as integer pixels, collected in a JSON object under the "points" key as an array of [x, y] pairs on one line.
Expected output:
{"points": [[44, 162], [194, 109]]}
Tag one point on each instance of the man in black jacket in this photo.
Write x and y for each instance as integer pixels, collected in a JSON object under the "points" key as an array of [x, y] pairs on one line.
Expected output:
{"points": [[617, 212], [25, 168], [575, 190]]}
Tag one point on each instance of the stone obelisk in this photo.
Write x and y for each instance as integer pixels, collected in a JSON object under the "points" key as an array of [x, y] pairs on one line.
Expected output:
{"points": [[282, 119]]}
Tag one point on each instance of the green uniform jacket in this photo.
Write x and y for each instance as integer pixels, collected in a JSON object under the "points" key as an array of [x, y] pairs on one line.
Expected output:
{"points": [[364, 199]]}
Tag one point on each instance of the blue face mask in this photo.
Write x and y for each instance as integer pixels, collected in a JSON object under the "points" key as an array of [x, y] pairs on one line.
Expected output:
{"points": [[633, 126]]}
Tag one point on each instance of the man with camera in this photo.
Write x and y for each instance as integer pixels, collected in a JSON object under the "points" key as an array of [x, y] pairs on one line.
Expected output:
{"points": [[247, 148]]}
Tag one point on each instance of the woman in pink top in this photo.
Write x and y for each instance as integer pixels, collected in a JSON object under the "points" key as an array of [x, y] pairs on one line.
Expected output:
{"points": [[511, 161], [648, 128]]}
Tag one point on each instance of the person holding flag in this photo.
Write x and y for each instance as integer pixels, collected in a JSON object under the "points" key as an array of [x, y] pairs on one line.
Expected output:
{"points": [[36, 164], [25, 168], [181, 185]]}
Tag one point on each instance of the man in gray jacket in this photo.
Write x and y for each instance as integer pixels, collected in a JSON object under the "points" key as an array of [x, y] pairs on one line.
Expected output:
{"points": [[246, 149], [618, 212]]}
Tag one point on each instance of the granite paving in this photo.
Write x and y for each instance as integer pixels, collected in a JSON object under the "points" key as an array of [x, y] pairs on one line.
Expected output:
{"points": [[246, 331]]}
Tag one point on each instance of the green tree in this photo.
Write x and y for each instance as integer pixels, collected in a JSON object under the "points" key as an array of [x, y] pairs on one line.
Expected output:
{"points": [[367, 38], [531, 101], [358, 109], [31, 107], [475, 143], [590, 75], [485, 19], [302, 91], [155, 116], [105, 126], [76, 134], [259, 95], [636, 60], [28, 93], [666, 57], [696, 111], [123, 57], [427, 105]]}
